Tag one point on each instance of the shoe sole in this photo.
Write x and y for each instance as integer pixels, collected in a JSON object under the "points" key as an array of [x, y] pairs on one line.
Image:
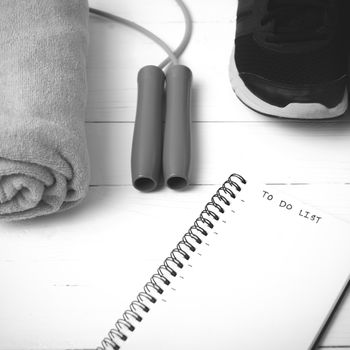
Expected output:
{"points": [[292, 110]]}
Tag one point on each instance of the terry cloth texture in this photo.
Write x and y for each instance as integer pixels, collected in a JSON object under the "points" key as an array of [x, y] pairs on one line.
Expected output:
{"points": [[44, 164]]}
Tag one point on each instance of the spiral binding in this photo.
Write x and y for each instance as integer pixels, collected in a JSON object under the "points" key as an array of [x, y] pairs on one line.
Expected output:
{"points": [[167, 270]]}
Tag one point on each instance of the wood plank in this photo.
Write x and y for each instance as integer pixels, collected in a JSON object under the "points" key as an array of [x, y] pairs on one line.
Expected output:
{"points": [[167, 11], [338, 332], [117, 53], [278, 152]]}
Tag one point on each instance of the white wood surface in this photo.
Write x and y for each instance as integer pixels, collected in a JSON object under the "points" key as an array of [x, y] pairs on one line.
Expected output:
{"points": [[309, 159]]}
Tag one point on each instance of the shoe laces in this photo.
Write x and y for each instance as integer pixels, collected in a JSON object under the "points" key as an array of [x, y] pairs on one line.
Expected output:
{"points": [[293, 21]]}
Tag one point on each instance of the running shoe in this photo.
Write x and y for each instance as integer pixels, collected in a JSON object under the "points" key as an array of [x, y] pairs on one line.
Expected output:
{"points": [[290, 59]]}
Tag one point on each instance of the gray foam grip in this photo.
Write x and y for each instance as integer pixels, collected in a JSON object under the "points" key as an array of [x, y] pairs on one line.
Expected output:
{"points": [[177, 136], [146, 159]]}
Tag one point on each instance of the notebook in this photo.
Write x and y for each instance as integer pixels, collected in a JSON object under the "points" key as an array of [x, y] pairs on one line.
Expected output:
{"points": [[257, 270], [268, 279]]}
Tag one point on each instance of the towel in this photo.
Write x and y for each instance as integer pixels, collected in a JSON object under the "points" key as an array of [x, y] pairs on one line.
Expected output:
{"points": [[44, 164]]}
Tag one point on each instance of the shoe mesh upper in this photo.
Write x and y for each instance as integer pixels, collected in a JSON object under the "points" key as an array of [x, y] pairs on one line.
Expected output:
{"points": [[318, 66]]}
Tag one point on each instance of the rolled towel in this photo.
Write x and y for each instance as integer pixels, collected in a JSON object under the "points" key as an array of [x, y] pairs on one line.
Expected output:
{"points": [[44, 164]]}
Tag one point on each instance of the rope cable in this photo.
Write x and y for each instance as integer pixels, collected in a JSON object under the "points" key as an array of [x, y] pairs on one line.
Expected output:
{"points": [[173, 55]]}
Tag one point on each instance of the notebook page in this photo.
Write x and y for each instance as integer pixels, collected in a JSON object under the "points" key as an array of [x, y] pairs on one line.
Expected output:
{"points": [[267, 280], [65, 280]]}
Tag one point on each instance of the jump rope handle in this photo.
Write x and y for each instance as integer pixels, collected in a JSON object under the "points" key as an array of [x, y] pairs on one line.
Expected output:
{"points": [[177, 135], [150, 151], [146, 158]]}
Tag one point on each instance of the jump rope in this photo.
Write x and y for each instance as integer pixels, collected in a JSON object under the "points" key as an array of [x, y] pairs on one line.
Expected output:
{"points": [[162, 133], [164, 95]]}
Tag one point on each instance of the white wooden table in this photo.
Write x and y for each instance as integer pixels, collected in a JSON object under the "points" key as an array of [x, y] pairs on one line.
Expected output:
{"points": [[43, 276]]}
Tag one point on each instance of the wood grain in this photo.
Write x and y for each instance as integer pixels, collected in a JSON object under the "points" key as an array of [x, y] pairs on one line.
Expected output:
{"points": [[280, 152], [310, 160]]}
